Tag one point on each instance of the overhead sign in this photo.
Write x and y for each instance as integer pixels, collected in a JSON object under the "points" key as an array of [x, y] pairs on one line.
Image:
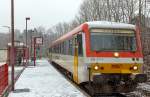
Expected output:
{"points": [[39, 40]]}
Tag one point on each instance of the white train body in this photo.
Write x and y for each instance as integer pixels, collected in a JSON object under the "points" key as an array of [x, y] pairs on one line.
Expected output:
{"points": [[88, 63]]}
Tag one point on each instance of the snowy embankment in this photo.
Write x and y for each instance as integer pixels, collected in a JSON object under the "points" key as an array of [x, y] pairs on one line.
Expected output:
{"points": [[142, 90], [43, 81]]}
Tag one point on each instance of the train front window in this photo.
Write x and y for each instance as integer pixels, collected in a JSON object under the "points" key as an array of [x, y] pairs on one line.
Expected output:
{"points": [[113, 40]]}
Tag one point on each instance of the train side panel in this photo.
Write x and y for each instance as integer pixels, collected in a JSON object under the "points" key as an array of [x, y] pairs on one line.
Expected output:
{"points": [[67, 62]]}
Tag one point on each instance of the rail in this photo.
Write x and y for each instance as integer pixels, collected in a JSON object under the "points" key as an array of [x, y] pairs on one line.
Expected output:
{"points": [[3, 78]]}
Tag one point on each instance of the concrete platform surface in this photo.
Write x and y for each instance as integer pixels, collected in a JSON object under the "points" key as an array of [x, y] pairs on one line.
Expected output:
{"points": [[43, 81]]}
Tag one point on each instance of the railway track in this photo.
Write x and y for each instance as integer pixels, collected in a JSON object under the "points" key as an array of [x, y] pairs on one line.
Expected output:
{"points": [[84, 89]]}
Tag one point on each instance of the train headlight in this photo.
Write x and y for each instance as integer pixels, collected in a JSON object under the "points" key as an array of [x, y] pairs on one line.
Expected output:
{"points": [[135, 68], [96, 67], [116, 54]]}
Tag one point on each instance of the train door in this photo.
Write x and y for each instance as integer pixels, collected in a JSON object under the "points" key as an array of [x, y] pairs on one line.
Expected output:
{"points": [[78, 54], [75, 66]]}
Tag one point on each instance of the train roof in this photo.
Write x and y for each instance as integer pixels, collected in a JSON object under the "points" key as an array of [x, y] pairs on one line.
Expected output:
{"points": [[94, 24], [107, 24]]}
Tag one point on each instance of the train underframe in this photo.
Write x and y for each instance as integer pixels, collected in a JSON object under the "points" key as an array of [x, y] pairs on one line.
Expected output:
{"points": [[115, 79], [107, 83], [113, 83]]}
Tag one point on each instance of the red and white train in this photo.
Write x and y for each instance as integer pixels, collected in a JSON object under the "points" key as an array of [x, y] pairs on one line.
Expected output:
{"points": [[100, 51]]}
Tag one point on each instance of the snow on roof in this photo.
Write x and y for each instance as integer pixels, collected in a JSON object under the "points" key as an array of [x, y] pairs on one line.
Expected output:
{"points": [[94, 24], [107, 24]]}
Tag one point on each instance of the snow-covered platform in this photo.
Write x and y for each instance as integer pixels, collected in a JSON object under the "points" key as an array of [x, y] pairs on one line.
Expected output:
{"points": [[44, 81]]}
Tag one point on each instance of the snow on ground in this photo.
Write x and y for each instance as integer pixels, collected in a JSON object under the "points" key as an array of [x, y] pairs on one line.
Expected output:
{"points": [[144, 86], [17, 68], [17, 71], [43, 81], [142, 90]]}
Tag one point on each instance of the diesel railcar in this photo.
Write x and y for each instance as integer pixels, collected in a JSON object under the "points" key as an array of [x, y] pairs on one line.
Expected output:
{"points": [[100, 52]]}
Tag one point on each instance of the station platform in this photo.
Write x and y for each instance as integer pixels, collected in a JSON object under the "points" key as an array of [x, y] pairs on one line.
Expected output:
{"points": [[44, 81]]}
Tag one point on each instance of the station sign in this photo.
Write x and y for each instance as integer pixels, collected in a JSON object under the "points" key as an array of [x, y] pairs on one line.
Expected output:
{"points": [[38, 40]]}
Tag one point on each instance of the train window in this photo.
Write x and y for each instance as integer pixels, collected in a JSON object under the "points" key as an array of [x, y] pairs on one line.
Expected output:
{"points": [[55, 49], [108, 41], [67, 47], [80, 48], [50, 50], [59, 48], [64, 48], [70, 47]]}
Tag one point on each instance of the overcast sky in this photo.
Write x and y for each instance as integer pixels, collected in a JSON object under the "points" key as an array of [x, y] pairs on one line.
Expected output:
{"points": [[42, 12]]}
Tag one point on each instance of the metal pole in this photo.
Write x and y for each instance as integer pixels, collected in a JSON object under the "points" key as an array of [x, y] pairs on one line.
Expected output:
{"points": [[12, 43], [140, 14], [145, 14], [26, 44], [31, 45], [34, 51], [27, 18], [40, 52], [26, 31]]}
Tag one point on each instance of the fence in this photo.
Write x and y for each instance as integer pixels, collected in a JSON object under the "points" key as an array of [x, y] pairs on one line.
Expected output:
{"points": [[3, 78]]}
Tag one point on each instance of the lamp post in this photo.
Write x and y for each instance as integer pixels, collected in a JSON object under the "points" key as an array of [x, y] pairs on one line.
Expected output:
{"points": [[31, 43], [12, 59], [140, 11], [27, 18]]}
